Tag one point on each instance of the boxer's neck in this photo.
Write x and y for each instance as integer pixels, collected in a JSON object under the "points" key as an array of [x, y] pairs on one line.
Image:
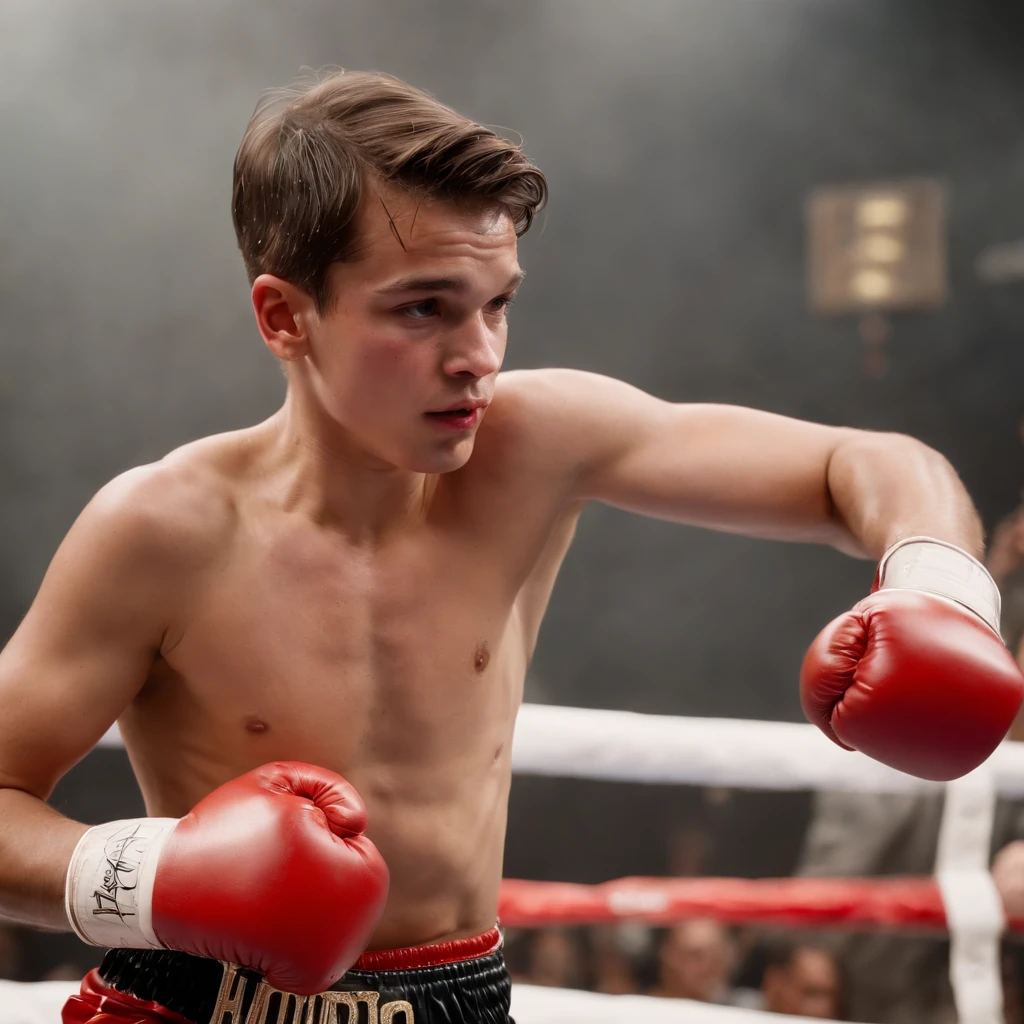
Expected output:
{"points": [[319, 470]]}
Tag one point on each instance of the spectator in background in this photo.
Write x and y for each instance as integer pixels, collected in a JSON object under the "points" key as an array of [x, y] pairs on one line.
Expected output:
{"points": [[517, 954], [803, 980], [555, 959], [1006, 563], [614, 952], [695, 961]]}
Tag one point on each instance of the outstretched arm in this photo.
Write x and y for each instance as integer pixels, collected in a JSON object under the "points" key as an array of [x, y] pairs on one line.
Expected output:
{"points": [[915, 675], [751, 472]]}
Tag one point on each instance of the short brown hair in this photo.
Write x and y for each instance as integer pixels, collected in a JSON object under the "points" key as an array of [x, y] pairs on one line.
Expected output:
{"points": [[308, 153]]}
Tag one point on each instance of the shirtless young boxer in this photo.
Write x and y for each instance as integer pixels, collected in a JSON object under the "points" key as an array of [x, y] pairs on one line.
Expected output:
{"points": [[354, 588]]}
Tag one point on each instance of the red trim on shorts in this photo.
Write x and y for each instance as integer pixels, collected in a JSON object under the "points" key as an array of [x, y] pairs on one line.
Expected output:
{"points": [[98, 1001], [410, 957]]}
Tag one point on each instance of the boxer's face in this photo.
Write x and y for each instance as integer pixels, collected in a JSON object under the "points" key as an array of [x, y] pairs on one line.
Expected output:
{"points": [[417, 328]]}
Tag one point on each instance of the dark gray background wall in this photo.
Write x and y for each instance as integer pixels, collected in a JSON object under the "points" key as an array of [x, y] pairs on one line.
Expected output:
{"points": [[681, 138]]}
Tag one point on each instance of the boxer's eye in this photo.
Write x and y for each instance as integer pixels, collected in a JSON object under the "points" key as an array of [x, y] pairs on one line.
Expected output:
{"points": [[502, 304], [420, 310]]}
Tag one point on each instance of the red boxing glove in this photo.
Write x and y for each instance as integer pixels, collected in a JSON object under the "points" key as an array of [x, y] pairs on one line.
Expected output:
{"points": [[916, 675], [271, 871]]}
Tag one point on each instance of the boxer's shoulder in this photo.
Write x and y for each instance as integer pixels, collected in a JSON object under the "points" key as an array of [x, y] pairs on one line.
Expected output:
{"points": [[525, 440], [181, 507], [563, 419], [550, 404], [549, 387]]}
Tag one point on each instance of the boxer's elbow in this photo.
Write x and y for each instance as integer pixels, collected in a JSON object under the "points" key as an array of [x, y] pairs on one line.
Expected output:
{"points": [[886, 486]]}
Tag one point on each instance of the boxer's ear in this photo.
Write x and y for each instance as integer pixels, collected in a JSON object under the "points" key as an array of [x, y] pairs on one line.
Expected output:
{"points": [[283, 314]]}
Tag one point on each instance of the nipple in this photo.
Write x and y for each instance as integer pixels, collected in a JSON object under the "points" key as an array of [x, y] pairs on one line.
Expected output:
{"points": [[481, 656]]}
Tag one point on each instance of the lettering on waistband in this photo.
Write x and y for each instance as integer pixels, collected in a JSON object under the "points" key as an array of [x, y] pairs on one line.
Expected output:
{"points": [[389, 1010], [272, 1006], [229, 999]]}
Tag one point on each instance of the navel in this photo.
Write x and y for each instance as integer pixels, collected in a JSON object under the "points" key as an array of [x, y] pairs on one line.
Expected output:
{"points": [[255, 725], [481, 656]]}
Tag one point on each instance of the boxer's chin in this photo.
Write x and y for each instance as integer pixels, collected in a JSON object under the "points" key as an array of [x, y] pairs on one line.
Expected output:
{"points": [[446, 458]]}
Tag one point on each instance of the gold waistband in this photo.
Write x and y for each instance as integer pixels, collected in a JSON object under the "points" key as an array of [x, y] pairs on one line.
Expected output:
{"points": [[272, 1006]]}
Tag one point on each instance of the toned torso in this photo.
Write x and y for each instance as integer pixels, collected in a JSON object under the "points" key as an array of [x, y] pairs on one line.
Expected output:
{"points": [[230, 609], [397, 661]]}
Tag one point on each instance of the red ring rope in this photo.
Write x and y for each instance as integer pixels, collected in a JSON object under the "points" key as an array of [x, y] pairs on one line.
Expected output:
{"points": [[910, 904]]}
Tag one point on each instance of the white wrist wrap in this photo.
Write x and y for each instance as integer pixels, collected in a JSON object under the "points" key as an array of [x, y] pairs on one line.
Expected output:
{"points": [[920, 563], [108, 893]]}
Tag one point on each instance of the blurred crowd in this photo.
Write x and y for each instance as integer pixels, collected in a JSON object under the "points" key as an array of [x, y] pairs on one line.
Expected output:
{"points": [[702, 960], [697, 959]]}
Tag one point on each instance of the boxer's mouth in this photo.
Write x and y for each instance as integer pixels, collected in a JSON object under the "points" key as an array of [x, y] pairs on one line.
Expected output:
{"points": [[469, 406], [459, 417]]}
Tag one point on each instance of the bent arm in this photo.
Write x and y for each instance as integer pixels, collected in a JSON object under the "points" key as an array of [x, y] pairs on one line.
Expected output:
{"points": [[76, 661], [755, 473]]}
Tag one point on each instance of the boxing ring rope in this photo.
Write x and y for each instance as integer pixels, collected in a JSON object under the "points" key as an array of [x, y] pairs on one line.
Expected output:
{"points": [[894, 903], [626, 746], [40, 1003], [632, 747], [533, 1005]]}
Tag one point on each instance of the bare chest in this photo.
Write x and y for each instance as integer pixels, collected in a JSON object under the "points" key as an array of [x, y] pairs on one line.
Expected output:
{"points": [[310, 650]]}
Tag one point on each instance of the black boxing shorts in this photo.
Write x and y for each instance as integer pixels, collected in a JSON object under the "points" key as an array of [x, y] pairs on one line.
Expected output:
{"points": [[459, 982]]}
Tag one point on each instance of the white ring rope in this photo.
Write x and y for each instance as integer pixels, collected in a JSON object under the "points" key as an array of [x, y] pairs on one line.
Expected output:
{"points": [[534, 1005], [40, 1003], [625, 746], [974, 909], [35, 1002], [631, 747]]}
